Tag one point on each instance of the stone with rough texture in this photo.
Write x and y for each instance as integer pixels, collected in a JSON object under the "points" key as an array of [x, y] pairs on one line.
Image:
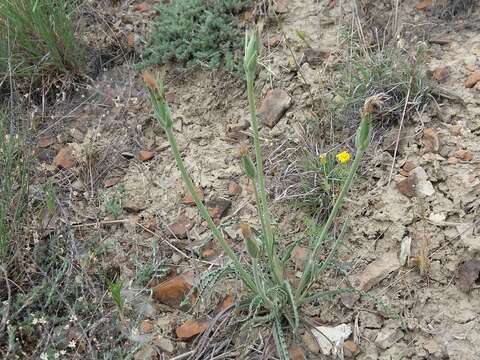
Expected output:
{"points": [[273, 106], [145, 155], [233, 188], [64, 158], [218, 208], [181, 227], [295, 352], [424, 187], [350, 349], [172, 291], [329, 336], [472, 79], [441, 74], [388, 337], [376, 272]]}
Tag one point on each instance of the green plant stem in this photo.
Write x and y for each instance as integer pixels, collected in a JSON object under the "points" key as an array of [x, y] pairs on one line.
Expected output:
{"points": [[262, 195], [310, 263], [204, 212]]}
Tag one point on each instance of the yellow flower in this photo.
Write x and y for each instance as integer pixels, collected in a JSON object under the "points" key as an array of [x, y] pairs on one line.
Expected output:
{"points": [[343, 157], [323, 158]]}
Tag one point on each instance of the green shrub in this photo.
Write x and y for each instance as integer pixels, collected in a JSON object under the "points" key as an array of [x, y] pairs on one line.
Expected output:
{"points": [[38, 37], [196, 32]]}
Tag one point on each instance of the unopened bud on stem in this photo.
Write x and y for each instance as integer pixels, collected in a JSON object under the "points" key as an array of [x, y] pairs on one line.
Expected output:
{"points": [[250, 244]]}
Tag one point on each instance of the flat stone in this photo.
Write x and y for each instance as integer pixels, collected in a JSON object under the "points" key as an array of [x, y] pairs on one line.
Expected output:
{"points": [[350, 349], [370, 320], [424, 187], [146, 326], [217, 208], [376, 272], [387, 337], [274, 106], [233, 188], [145, 155], [188, 198], [295, 352], [181, 226], [171, 292], [164, 344], [472, 79], [134, 205], [316, 56], [407, 186], [465, 155], [64, 158], [441, 74], [329, 336]]}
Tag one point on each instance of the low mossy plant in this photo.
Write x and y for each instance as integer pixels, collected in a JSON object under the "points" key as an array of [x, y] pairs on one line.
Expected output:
{"points": [[196, 32]]}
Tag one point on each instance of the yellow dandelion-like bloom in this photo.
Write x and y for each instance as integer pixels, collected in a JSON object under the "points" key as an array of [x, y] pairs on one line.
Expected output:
{"points": [[323, 158], [343, 157]]}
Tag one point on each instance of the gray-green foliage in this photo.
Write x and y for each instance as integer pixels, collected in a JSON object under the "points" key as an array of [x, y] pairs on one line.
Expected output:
{"points": [[196, 32], [38, 37]]}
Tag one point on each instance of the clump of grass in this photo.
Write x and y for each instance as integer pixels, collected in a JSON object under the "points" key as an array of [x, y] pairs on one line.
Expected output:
{"points": [[449, 9], [196, 32], [38, 38], [387, 70], [113, 203], [13, 186], [270, 296]]}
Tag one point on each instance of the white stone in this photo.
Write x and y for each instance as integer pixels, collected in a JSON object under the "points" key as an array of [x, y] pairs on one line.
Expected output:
{"points": [[329, 337]]}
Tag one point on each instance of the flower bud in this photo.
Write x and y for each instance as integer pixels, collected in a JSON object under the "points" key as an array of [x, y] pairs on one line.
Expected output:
{"points": [[251, 53], [248, 167], [250, 244]]}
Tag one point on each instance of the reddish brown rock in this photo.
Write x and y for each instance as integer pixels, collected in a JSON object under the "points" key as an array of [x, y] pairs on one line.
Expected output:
{"points": [[111, 181], [407, 187], [233, 188], [146, 326], [181, 226], [64, 158], [350, 349], [274, 106], [191, 328], [465, 155], [424, 5], [472, 79], [409, 166], [188, 198], [218, 208], [172, 291], [295, 352], [441, 74], [145, 155], [275, 40], [431, 140], [452, 160]]}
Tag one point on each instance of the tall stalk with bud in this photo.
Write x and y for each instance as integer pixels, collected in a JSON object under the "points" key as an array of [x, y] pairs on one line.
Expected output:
{"points": [[264, 273]]}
